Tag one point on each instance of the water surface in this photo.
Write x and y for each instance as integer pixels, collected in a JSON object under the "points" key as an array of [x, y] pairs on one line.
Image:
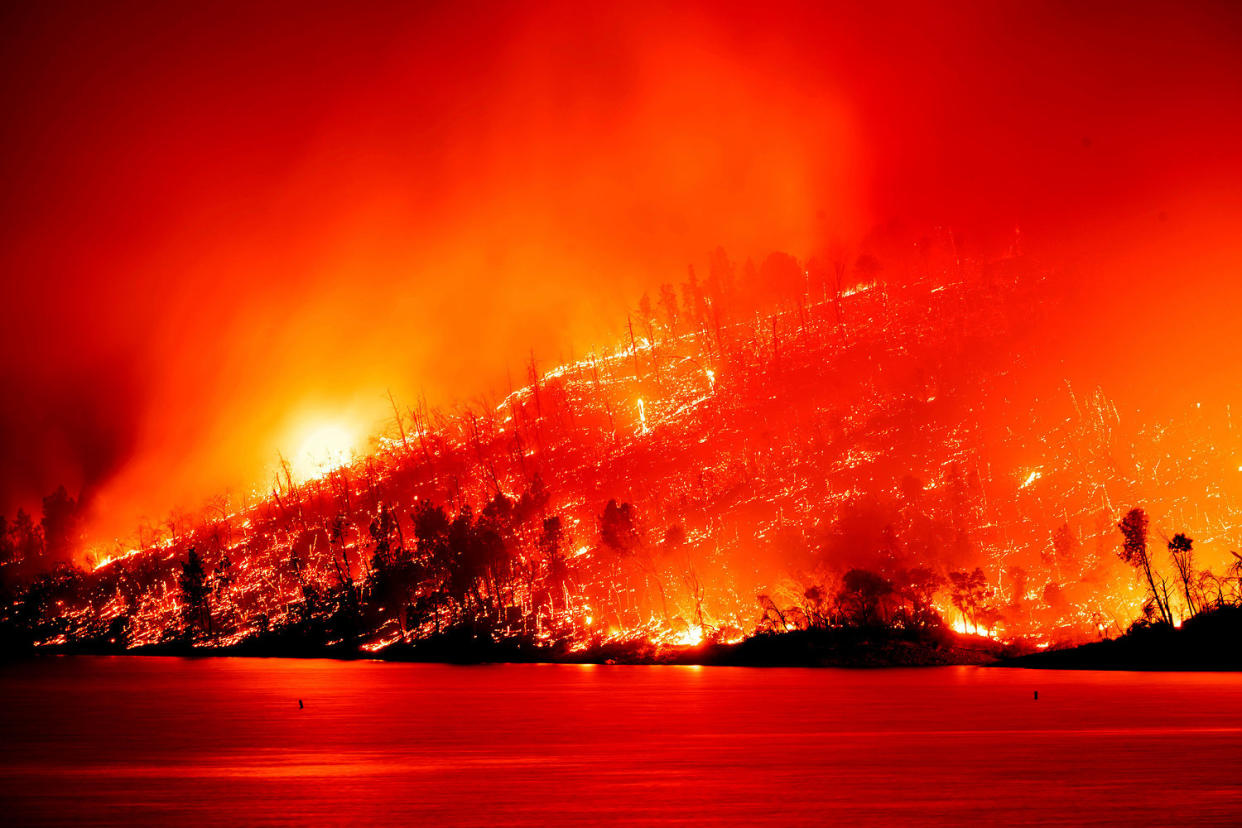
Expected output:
{"points": [[223, 741]]}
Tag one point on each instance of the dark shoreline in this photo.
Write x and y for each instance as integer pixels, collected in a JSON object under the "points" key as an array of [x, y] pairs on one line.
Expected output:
{"points": [[847, 648], [1208, 642]]}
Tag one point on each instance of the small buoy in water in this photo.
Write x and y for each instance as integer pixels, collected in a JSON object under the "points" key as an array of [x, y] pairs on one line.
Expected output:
{"points": [[1036, 696], [300, 702]]}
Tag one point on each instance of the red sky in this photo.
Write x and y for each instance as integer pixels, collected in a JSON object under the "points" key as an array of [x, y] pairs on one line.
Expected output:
{"points": [[222, 226]]}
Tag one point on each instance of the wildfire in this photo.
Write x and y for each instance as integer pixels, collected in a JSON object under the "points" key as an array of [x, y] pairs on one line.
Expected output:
{"points": [[753, 506]]}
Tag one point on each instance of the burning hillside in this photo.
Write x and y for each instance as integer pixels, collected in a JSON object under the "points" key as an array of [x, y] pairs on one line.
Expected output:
{"points": [[796, 445]]}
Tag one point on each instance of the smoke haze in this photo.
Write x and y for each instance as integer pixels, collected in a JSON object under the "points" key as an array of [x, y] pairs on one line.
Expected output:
{"points": [[224, 226]]}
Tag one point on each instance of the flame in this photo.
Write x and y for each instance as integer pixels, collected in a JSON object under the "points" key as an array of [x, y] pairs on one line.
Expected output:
{"points": [[322, 448], [692, 637]]}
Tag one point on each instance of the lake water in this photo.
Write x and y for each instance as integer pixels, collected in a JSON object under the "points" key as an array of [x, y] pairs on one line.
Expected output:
{"points": [[223, 741]]}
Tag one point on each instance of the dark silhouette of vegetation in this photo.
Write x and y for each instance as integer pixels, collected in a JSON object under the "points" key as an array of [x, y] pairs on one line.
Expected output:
{"points": [[1205, 636], [1181, 553], [863, 600], [195, 595], [866, 599], [1134, 552], [1206, 641]]}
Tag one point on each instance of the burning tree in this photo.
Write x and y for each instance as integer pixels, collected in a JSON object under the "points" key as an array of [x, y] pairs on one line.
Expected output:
{"points": [[1134, 552], [970, 594]]}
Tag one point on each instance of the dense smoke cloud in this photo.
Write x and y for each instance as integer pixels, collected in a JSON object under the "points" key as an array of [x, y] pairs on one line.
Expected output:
{"points": [[223, 225]]}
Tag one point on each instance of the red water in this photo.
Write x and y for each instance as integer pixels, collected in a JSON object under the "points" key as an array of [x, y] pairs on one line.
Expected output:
{"points": [[222, 741]]}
